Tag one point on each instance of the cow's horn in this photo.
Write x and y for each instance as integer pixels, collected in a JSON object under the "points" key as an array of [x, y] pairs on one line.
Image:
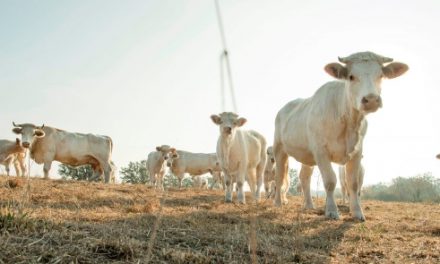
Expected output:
{"points": [[343, 60], [13, 123], [386, 59], [42, 126]]}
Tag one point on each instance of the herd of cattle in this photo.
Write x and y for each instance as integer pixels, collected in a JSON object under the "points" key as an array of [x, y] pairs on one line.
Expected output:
{"points": [[328, 127]]}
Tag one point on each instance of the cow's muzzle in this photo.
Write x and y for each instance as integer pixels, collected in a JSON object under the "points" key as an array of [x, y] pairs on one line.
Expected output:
{"points": [[371, 103], [227, 130]]}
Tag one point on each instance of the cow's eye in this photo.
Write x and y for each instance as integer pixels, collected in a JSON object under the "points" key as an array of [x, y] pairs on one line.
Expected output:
{"points": [[351, 77]]}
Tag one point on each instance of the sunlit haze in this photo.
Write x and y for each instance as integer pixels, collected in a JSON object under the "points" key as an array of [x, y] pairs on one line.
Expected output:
{"points": [[146, 73]]}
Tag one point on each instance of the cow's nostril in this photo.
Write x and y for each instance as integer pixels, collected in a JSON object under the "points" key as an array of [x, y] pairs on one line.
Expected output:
{"points": [[364, 100]]}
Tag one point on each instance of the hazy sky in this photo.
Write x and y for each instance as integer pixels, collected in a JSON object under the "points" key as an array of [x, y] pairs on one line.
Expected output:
{"points": [[147, 73]]}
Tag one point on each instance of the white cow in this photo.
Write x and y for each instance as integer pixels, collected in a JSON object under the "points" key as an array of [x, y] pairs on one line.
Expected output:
{"points": [[241, 154], [47, 144], [156, 165], [269, 176], [11, 152], [200, 182], [181, 162], [330, 126], [217, 178], [344, 184]]}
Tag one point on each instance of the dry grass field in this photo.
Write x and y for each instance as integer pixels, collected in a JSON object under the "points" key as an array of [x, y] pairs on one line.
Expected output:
{"points": [[55, 221]]}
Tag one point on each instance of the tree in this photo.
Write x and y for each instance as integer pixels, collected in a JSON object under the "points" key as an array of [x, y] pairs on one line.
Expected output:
{"points": [[135, 172], [294, 181], [79, 173]]}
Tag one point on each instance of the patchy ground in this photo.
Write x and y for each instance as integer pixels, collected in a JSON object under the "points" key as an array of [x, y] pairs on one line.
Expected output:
{"points": [[54, 221]]}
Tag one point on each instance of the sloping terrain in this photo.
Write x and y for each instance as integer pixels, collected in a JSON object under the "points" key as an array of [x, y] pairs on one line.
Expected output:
{"points": [[54, 221]]}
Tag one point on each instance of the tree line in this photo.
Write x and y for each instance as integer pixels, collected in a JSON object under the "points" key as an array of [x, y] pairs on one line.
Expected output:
{"points": [[420, 188]]}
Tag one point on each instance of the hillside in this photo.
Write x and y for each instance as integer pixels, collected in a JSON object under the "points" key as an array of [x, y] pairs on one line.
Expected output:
{"points": [[55, 221]]}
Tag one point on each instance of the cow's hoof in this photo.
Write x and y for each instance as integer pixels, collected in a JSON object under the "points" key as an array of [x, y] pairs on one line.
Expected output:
{"points": [[277, 203], [359, 216], [332, 215]]}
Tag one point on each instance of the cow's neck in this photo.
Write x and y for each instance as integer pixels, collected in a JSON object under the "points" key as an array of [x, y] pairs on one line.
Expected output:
{"points": [[225, 146], [352, 133]]}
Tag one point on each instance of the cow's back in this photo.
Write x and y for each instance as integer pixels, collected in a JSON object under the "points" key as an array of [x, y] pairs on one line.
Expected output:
{"points": [[194, 163]]}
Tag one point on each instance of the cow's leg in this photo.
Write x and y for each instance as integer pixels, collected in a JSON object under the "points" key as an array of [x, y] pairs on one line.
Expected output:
{"points": [[260, 177], [267, 187], [361, 179], [305, 177], [7, 169], [107, 169], [180, 177], [228, 189], [159, 180], [281, 162], [329, 180], [353, 168], [252, 183], [23, 168], [286, 185], [17, 168], [46, 168], [343, 183], [272, 189]]}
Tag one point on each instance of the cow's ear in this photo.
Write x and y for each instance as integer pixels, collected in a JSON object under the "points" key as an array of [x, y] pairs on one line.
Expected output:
{"points": [[39, 133], [175, 155], [336, 70], [394, 69], [216, 119], [158, 148], [17, 130], [241, 121]]}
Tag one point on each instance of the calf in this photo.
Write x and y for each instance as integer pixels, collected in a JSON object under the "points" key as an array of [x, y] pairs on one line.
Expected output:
{"points": [[241, 154]]}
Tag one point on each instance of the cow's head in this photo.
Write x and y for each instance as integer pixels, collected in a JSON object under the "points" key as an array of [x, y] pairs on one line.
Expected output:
{"points": [[270, 154], [28, 133], [172, 156], [363, 73], [164, 150], [228, 122]]}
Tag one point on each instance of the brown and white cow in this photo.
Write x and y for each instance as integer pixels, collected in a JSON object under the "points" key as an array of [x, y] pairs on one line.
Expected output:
{"points": [[242, 155], [156, 165], [47, 144], [195, 164], [11, 152], [330, 126]]}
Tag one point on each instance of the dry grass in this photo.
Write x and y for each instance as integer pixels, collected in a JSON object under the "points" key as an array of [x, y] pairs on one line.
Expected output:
{"points": [[77, 222]]}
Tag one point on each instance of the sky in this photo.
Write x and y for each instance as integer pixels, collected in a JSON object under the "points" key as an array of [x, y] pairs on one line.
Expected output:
{"points": [[146, 73]]}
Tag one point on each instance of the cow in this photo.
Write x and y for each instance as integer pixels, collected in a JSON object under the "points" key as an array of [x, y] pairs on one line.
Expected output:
{"points": [[344, 184], [269, 176], [181, 162], [200, 182], [217, 178], [47, 144], [242, 155], [330, 126], [11, 152], [156, 165]]}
